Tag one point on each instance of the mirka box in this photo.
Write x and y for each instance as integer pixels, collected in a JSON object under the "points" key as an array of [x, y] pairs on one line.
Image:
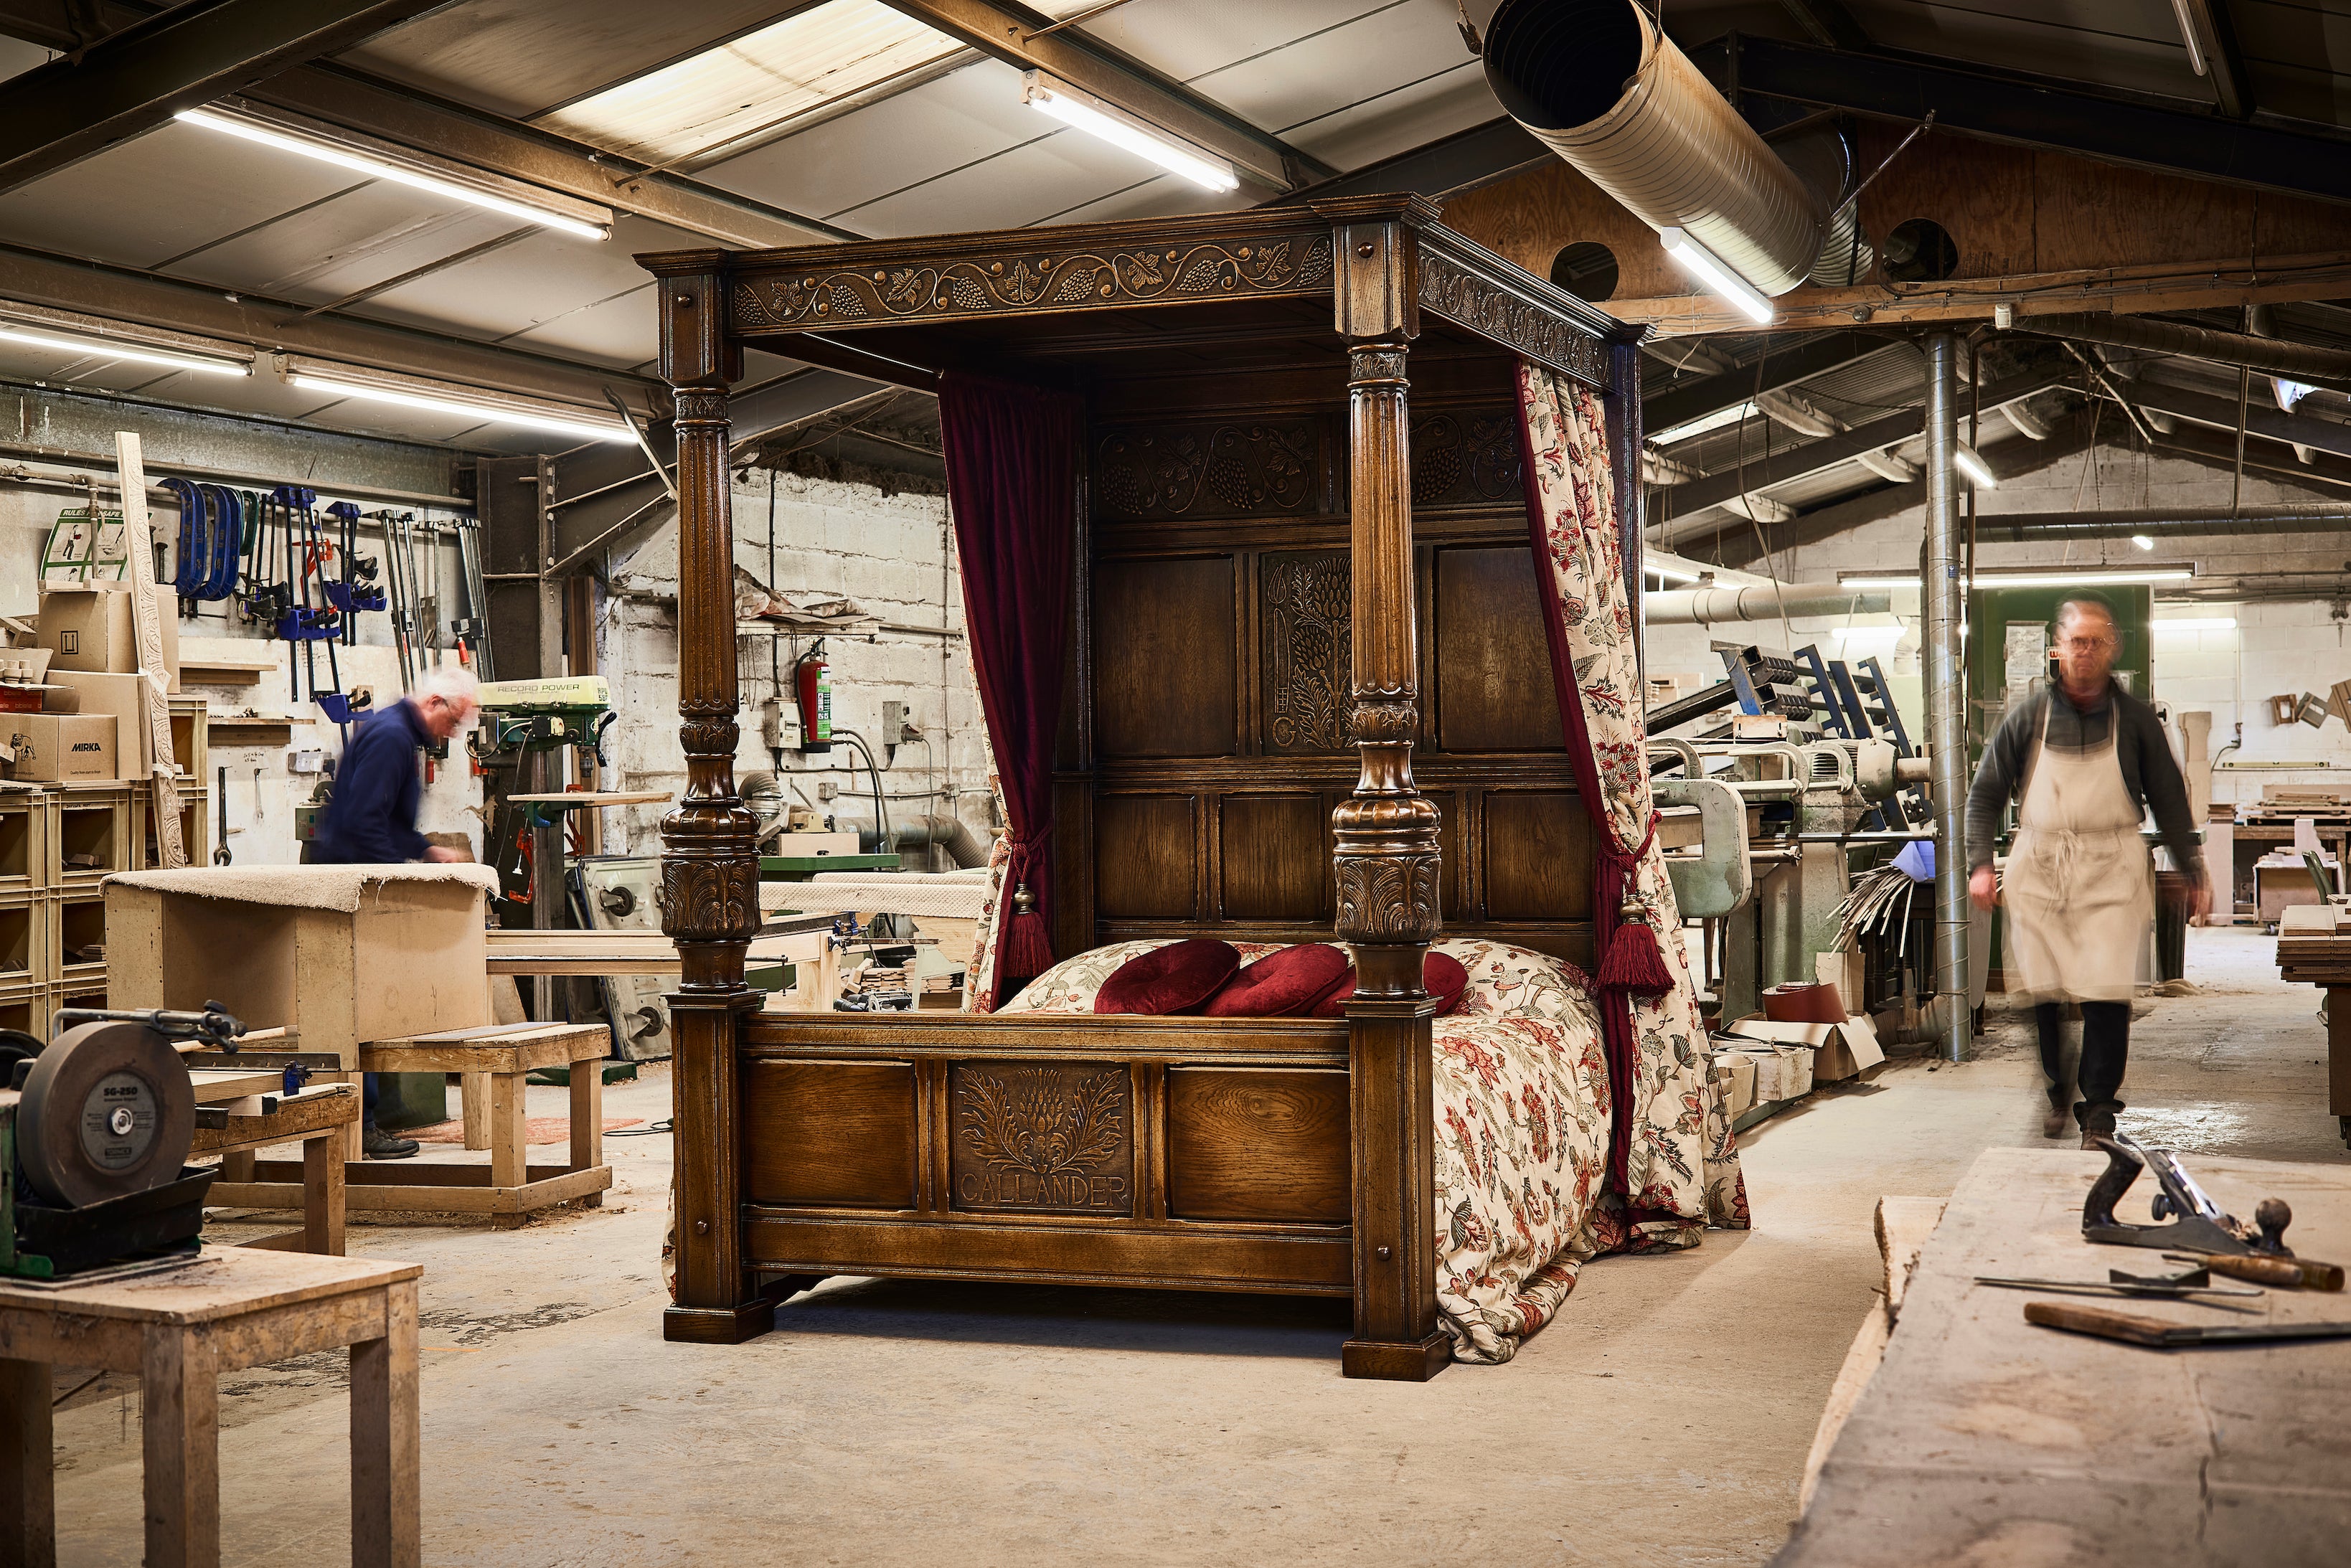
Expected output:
{"points": [[91, 627], [61, 747], [120, 699], [345, 956]]}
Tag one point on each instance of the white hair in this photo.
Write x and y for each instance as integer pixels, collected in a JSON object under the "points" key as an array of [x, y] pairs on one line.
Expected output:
{"points": [[452, 683]]}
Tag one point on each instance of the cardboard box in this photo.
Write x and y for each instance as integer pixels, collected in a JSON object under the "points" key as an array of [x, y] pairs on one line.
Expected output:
{"points": [[410, 959], [56, 748], [1843, 969], [122, 698], [91, 627], [1735, 1072], [1838, 1050]]}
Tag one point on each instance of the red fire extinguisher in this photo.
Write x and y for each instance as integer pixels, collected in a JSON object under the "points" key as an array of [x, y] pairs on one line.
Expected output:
{"points": [[814, 692]]}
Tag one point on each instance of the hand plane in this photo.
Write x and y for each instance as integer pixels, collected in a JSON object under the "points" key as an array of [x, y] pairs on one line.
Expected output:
{"points": [[2196, 1224]]}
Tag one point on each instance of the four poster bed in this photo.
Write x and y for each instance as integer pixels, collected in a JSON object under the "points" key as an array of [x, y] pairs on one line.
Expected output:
{"points": [[1272, 526]]}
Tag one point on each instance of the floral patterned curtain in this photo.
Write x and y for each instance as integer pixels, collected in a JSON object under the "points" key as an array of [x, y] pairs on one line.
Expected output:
{"points": [[1673, 1162]]}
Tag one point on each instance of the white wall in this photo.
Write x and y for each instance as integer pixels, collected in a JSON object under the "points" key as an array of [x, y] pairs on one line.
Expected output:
{"points": [[892, 554]]}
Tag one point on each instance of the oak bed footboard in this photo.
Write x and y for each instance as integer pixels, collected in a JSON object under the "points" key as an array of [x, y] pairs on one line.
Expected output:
{"points": [[1255, 1155]]}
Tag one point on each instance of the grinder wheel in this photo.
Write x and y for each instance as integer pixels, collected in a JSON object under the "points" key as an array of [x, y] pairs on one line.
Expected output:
{"points": [[108, 1110]]}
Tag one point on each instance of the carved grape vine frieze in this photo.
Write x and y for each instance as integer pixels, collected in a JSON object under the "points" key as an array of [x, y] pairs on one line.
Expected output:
{"points": [[1465, 459], [1295, 262], [1208, 470], [1450, 290]]}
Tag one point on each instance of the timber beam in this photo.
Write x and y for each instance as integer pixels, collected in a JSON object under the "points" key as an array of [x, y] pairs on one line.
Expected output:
{"points": [[2172, 136], [1782, 366], [1016, 34], [2261, 417], [375, 108], [137, 77]]}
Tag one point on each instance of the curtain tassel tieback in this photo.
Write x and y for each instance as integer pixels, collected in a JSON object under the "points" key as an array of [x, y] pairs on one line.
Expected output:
{"points": [[1632, 961], [1028, 949]]}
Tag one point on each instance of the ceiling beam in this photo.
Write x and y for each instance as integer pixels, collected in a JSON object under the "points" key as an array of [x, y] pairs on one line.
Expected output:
{"points": [[2224, 63], [2168, 135], [137, 77], [1814, 354], [1682, 502], [1828, 23], [1448, 166], [2263, 417], [376, 108], [36, 278], [1010, 32]]}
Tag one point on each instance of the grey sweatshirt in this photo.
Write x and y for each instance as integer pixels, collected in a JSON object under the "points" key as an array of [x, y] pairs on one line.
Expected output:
{"points": [[2149, 775]]}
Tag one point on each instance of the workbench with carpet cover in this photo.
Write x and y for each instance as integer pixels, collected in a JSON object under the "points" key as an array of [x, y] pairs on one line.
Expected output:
{"points": [[1300, 554]]}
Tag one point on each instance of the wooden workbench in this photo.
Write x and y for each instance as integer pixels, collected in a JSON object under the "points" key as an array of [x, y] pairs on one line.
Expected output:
{"points": [[179, 1331], [2314, 948], [318, 1120], [1982, 1439]]}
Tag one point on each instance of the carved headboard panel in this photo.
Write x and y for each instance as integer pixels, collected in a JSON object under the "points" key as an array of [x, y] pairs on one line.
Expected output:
{"points": [[1213, 692]]}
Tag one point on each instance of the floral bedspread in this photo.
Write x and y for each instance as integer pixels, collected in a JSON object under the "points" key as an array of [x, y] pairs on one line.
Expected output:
{"points": [[1521, 1099]]}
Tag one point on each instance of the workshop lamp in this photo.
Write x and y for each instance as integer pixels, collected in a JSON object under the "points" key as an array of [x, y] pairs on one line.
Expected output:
{"points": [[1115, 125], [45, 336], [1969, 462], [1709, 269], [384, 167], [436, 397]]}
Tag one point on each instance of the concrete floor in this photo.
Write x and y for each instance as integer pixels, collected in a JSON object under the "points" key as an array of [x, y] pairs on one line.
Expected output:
{"points": [[1663, 1419]]}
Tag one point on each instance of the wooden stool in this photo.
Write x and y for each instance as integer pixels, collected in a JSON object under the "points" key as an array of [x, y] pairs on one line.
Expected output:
{"points": [[232, 1308], [317, 1119], [508, 1188]]}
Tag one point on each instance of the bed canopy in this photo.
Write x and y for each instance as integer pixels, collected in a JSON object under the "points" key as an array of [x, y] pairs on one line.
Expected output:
{"points": [[1279, 531]]}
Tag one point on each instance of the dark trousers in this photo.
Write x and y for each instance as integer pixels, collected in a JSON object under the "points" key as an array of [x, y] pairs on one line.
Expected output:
{"points": [[2106, 1050]]}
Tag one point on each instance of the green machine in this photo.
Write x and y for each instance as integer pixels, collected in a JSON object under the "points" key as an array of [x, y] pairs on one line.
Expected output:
{"points": [[524, 724]]}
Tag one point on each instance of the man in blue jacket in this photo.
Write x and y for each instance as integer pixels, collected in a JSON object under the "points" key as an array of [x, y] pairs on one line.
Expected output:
{"points": [[371, 818]]}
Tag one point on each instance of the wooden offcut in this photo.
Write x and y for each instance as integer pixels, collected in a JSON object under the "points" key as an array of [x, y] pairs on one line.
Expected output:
{"points": [[147, 616]]}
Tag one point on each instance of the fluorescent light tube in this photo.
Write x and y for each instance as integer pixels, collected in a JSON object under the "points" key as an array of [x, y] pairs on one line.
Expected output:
{"points": [[2199, 624], [1709, 268], [109, 347], [527, 415], [1969, 462], [1116, 126], [1984, 579], [385, 168], [2144, 541]]}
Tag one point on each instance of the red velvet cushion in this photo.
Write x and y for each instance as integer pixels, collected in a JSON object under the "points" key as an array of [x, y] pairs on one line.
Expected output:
{"points": [[1175, 978], [1444, 976], [1284, 983]]}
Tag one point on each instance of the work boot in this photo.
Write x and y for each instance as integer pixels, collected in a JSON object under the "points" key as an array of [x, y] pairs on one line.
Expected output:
{"points": [[2060, 1119], [2098, 1122], [378, 1144]]}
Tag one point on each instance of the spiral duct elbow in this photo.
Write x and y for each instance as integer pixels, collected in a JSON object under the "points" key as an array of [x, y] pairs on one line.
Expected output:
{"points": [[1597, 83]]}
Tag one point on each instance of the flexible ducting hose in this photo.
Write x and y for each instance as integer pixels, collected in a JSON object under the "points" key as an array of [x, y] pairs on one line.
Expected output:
{"points": [[1598, 84], [1710, 606]]}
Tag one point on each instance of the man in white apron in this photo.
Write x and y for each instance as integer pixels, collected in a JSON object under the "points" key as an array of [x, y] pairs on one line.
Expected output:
{"points": [[2088, 761]]}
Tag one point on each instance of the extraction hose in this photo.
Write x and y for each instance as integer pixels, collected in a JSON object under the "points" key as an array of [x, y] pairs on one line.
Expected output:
{"points": [[1597, 83], [1710, 606]]}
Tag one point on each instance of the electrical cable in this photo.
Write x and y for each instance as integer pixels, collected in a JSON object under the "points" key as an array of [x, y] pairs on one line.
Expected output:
{"points": [[881, 812]]}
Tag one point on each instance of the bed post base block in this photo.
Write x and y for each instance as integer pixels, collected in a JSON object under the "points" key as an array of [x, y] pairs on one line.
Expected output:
{"points": [[718, 1325], [1389, 1363]]}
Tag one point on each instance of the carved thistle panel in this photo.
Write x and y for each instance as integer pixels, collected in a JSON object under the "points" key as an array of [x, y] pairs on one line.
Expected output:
{"points": [[1309, 668], [1042, 1139], [1010, 282], [1208, 470], [1465, 459]]}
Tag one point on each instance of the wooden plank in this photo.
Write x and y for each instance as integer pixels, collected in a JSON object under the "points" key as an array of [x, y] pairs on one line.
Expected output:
{"points": [[507, 1131], [384, 1440], [27, 1485], [179, 1419], [289, 1122], [1984, 1438], [549, 1186], [323, 1196], [146, 616], [215, 1085], [230, 1282]]}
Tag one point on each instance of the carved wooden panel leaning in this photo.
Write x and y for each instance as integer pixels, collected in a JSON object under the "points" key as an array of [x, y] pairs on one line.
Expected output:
{"points": [[1042, 1137]]}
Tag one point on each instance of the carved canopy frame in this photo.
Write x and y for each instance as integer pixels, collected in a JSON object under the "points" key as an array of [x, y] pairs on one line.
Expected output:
{"points": [[1385, 264]]}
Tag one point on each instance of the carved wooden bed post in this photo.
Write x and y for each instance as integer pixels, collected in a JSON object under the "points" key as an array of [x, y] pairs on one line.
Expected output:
{"points": [[710, 868], [1386, 856]]}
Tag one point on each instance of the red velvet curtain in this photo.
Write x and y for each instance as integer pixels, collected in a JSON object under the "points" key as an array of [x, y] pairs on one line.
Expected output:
{"points": [[1013, 453]]}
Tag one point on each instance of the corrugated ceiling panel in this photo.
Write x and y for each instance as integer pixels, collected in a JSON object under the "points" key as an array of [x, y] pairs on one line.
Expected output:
{"points": [[355, 240], [2130, 44]]}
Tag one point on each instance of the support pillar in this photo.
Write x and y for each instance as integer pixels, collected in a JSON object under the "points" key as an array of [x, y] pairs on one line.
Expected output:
{"points": [[1946, 724], [1387, 873], [710, 870]]}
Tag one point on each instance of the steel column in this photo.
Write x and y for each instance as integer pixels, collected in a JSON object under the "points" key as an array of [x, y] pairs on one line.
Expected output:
{"points": [[1946, 727]]}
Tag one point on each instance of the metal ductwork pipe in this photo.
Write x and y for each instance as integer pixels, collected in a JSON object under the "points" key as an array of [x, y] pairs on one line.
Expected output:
{"points": [[1710, 606], [1597, 83], [953, 834], [2163, 522], [1947, 727], [2270, 356]]}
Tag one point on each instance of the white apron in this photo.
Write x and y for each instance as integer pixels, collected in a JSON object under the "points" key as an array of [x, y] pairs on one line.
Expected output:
{"points": [[2079, 886]]}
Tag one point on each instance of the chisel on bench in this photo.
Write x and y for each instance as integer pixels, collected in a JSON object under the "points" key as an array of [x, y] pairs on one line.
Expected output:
{"points": [[2129, 1329]]}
